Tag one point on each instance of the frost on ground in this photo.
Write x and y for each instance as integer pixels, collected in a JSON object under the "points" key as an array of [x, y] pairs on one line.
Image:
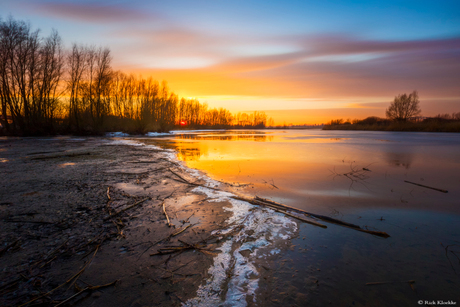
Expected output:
{"points": [[256, 233]]}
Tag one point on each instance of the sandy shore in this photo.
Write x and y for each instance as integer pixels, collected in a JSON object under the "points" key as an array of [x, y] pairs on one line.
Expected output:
{"points": [[77, 214]]}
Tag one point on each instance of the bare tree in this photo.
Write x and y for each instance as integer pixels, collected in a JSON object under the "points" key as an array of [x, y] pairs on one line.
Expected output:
{"points": [[404, 106], [76, 63]]}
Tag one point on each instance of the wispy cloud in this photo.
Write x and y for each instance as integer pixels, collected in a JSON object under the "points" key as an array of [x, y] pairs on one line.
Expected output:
{"points": [[90, 12]]}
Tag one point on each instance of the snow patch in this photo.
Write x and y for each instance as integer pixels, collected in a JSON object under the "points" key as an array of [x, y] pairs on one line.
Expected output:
{"points": [[116, 134], [264, 231], [157, 133]]}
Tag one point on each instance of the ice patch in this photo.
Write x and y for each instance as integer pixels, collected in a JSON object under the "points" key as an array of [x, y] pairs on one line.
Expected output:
{"points": [[157, 133], [253, 233], [116, 134]]}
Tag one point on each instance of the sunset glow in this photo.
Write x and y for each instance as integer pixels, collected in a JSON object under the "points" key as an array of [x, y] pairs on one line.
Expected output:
{"points": [[340, 59]]}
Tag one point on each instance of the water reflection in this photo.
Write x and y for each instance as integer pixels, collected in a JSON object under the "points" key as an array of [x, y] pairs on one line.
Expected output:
{"points": [[300, 163], [400, 159], [188, 153], [227, 137], [66, 164]]}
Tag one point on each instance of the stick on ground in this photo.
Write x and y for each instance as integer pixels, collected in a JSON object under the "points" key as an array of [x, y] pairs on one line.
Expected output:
{"points": [[127, 208], [167, 218], [425, 186]]}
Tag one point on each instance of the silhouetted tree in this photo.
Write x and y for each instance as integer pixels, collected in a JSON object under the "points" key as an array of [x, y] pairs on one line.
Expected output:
{"points": [[404, 106], [31, 73]]}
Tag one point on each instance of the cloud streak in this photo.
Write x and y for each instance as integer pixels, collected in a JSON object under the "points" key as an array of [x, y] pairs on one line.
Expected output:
{"points": [[431, 66], [90, 12]]}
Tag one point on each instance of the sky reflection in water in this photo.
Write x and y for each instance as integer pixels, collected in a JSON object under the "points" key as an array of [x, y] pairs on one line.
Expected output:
{"points": [[306, 169]]}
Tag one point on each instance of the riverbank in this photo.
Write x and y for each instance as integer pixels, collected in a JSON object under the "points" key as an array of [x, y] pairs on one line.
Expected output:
{"points": [[106, 222], [432, 126]]}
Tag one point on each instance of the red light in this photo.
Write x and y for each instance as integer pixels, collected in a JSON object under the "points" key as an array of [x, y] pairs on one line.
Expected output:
{"points": [[183, 123]]}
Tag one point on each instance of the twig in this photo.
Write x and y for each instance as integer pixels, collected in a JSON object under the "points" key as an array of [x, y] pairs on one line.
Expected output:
{"points": [[108, 193], [84, 268], [167, 218], [86, 289], [66, 282], [388, 282], [182, 230], [425, 186], [127, 208], [191, 183], [179, 176]]}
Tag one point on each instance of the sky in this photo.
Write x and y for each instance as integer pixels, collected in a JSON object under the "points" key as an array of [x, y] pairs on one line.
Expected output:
{"points": [[300, 61]]}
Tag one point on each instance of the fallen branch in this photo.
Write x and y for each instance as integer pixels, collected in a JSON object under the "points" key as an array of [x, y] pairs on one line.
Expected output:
{"points": [[425, 186], [388, 282], [301, 219], [86, 289], [179, 176], [265, 202], [127, 208]]}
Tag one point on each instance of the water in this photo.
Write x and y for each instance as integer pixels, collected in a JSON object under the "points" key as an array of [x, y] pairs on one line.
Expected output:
{"points": [[358, 177]]}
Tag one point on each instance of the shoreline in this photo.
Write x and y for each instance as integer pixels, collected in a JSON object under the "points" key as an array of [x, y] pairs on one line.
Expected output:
{"points": [[55, 207]]}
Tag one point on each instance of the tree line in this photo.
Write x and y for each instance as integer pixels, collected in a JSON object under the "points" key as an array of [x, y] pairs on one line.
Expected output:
{"points": [[46, 89], [403, 114]]}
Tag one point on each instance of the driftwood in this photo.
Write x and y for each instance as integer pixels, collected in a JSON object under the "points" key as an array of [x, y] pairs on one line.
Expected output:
{"points": [[167, 218], [389, 282], [269, 203], [300, 218], [425, 186], [127, 208]]}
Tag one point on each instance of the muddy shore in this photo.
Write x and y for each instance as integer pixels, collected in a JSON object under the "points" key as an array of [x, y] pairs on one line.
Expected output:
{"points": [[83, 223]]}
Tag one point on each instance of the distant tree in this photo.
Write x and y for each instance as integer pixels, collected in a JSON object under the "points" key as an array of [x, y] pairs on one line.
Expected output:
{"points": [[404, 106]]}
